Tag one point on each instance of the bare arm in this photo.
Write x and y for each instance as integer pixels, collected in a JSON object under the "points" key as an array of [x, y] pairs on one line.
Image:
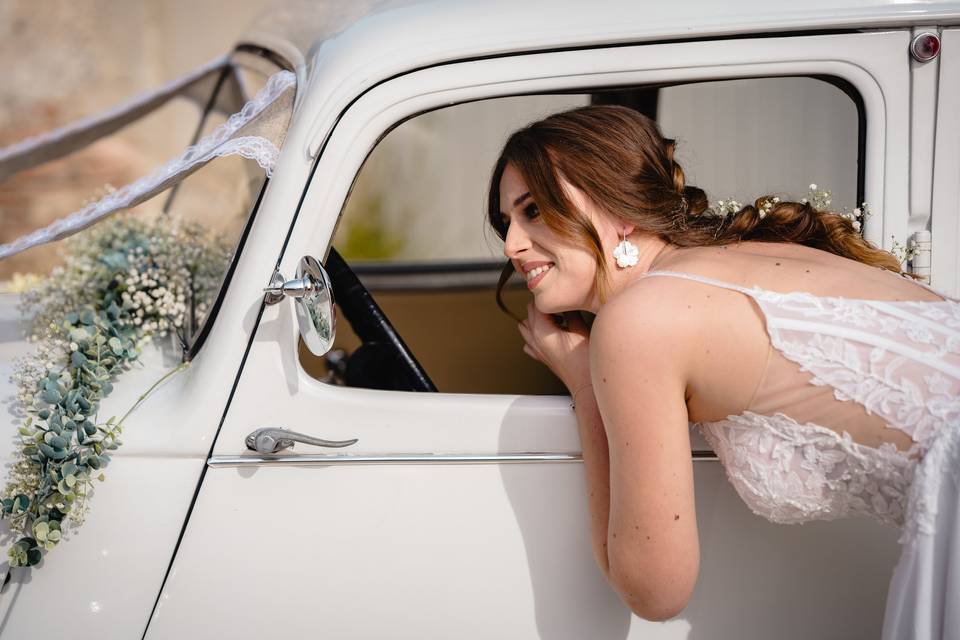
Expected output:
{"points": [[596, 461], [635, 435]]}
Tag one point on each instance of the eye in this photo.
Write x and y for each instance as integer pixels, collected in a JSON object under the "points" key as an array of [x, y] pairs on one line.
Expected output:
{"points": [[501, 225], [531, 211]]}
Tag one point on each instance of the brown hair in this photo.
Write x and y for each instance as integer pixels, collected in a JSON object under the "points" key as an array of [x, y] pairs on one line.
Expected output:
{"points": [[621, 161]]}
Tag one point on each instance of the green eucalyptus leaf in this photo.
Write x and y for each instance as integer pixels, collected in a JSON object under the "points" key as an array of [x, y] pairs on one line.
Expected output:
{"points": [[72, 317], [53, 397], [46, 450], [40, 530], [58, 442], [33, 556], [43, 414], [86, 316], [78, 359]]}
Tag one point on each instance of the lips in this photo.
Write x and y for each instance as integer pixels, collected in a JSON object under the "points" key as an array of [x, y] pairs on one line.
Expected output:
{"points": [[541, 272]]}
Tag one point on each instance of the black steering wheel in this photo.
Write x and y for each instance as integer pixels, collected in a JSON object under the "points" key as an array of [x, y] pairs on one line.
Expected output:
{"points": [[382, 361]]}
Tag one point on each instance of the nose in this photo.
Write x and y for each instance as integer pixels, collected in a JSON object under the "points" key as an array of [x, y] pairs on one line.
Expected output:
{"points": [[515, 241]]}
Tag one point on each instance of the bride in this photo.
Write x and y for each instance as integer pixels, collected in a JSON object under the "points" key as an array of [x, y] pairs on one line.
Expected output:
{"points": [[827, 382]]}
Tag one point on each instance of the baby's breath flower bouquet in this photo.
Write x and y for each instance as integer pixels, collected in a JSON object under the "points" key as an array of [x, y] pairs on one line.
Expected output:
{"points": [[124, 282]]}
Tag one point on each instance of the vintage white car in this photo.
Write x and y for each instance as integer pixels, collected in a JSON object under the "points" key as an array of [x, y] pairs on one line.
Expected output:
{"points": [[436, 488]]}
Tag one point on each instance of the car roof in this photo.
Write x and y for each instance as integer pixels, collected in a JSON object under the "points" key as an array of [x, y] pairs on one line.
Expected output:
{"points": [[422, 32], [341, 48]]}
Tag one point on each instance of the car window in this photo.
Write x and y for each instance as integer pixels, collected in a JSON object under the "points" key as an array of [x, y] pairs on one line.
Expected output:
{"points": [[414, 227], [222, 196]]}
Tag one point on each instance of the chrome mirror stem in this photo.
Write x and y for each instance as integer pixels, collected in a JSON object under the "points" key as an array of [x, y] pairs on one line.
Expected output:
{"points": [[315, 307]]}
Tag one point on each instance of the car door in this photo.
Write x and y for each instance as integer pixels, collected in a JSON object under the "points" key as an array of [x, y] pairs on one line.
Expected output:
{"points": [[945, 223], [464, 515]]}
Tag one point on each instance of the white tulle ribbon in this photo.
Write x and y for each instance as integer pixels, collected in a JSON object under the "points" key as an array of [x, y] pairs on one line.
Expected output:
{"points": [[255, 132]]}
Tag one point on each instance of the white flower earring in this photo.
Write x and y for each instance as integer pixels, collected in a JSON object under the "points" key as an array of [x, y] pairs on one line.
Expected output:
{"points": [[626, 253]]}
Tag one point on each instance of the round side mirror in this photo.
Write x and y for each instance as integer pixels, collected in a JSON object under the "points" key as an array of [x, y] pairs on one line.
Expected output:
{"points": [[316, 310]]}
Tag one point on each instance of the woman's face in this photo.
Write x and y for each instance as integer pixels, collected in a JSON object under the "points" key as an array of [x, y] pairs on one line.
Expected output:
{"points": [[567, 283]]}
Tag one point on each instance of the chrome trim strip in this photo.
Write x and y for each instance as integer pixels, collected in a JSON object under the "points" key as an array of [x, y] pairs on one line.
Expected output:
{"points": [[405, 458]]}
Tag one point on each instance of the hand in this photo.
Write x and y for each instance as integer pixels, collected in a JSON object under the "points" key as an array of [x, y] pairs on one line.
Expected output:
{"points": [[566, 352]]}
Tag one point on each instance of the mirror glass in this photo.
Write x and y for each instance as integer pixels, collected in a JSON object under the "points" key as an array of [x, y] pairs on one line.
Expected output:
{"points": [[315, 309]]}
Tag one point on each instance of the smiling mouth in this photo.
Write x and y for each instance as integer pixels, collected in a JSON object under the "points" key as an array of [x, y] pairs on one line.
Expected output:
{"points": [[534, 276]]}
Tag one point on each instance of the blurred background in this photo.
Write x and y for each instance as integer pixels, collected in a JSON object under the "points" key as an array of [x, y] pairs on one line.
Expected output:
{"points": [[61, 61]]}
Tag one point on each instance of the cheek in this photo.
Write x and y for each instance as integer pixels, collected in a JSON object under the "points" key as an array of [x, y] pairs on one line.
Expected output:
{"points": [[573, 284]]}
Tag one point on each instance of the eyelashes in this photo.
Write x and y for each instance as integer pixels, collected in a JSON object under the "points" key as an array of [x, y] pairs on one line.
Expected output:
{"points": [[502, 223]]}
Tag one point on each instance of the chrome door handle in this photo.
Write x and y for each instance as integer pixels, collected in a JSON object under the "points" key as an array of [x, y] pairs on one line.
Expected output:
{"points": [[271, 440]]}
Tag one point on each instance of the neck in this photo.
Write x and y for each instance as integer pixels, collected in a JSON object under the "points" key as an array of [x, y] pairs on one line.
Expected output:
{"points": [[652, 252]]}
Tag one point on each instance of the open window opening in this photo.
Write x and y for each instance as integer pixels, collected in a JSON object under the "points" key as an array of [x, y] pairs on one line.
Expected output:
{"points": [[414, 227]]}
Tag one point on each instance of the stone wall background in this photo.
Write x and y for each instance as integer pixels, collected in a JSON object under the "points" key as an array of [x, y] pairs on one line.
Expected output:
{"points": [[60, 61]]}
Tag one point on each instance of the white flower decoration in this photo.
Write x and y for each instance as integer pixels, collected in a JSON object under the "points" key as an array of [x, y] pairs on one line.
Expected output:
{"points": [[626, 254]]}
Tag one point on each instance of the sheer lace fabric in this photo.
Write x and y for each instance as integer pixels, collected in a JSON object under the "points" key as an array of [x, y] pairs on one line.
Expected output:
{"points": [[840, 365], [790, 472], [256, 132]]}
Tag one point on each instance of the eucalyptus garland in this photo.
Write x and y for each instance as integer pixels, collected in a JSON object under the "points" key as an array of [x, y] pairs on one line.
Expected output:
{"points": [[124, 282]]}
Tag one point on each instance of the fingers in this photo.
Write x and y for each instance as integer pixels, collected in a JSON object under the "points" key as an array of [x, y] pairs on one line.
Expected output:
{"points": [[530, 352]]}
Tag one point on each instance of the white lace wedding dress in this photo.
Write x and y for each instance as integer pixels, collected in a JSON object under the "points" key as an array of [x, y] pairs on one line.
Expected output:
{"points": [[839, 366]]}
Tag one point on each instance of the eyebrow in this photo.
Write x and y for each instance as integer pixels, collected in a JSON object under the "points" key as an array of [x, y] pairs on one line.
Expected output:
{"points": [[517, 202]]}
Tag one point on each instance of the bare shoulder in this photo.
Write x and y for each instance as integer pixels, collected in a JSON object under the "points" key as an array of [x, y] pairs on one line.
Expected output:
{"points": [[652, 317]]}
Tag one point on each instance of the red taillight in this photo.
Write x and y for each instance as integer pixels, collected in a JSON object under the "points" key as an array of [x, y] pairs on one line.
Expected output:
{"points": [[925, 47]]}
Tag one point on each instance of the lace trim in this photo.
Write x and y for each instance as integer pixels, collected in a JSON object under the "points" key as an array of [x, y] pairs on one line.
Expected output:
{"points": [[871, 376], [789, 472], [255, 148], [218, 143]]}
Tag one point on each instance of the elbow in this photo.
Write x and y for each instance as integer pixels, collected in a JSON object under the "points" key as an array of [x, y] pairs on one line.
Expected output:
{"points": [[653, 595]]}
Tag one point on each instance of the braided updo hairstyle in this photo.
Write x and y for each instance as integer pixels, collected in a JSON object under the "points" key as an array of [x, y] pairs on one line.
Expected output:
{"points": [[621, 161]]}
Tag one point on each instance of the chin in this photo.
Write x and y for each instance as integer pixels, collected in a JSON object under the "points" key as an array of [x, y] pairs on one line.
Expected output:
{"points": [[545, 305]]}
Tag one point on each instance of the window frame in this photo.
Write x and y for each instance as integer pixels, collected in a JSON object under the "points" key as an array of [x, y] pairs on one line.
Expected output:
{"points": [[862, 74], [193, 343]]}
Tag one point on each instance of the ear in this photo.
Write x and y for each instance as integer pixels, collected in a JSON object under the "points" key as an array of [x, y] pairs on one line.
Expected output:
{"points": [[625, 229]]}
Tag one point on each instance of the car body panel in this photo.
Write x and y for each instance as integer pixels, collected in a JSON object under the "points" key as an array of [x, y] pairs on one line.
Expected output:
{"points": [[351, 549], [429, 518]]}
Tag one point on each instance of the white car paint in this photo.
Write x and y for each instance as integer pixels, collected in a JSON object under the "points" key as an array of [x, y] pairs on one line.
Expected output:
{"points": [[509, 539], [464, 550]]}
